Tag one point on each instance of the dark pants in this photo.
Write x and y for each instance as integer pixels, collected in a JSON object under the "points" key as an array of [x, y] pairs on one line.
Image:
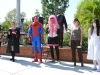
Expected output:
{"points": [[60, 37], [74, 44], [52, 52]]}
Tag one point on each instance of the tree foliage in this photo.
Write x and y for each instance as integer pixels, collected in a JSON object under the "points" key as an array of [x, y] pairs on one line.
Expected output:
{"points": [[11, 15], [51, 7], [6, 25], [87, 10], [37, 12]]}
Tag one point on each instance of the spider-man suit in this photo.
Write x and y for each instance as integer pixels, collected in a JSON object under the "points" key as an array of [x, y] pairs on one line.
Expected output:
{"points": [[35, 31]]}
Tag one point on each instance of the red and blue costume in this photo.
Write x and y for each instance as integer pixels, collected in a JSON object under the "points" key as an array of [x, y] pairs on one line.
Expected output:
{"points": [[35, 32]]}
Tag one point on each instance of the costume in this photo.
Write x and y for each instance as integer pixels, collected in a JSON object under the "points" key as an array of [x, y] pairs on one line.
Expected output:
{"points": [[94, 45], [35, 31], [13, 41], [53, 30]]}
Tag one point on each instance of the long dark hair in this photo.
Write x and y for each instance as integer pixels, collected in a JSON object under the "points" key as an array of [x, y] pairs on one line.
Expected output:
{"points": [[97, 26]]}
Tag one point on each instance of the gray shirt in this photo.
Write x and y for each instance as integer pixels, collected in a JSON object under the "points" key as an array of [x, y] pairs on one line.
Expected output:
{"points": [[22, 27], [76, 34]]}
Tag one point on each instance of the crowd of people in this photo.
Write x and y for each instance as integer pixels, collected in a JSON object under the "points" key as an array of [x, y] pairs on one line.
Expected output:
{"points": [[55, 32]]}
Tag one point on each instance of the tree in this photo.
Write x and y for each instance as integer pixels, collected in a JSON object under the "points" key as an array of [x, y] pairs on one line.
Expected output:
{"points": [[11, 15], [6, 25], [37, 12], [87, 10], [51, 7]]}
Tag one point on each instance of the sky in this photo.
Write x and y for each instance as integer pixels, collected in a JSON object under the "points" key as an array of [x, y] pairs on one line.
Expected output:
{"points": [[29, 7]]}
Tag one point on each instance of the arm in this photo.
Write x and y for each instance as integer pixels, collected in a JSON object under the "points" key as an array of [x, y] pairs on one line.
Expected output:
{"points": [[64, 21], [70, 34], [47, 29], [29, 31], [81, 35], [89, 33]]}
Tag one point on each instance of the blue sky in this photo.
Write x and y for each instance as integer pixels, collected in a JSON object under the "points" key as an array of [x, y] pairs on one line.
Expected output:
{"points": [[29, 7]]}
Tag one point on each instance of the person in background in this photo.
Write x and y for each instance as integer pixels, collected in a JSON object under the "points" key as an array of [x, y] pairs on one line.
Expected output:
{"points": [[13, 40], [22, 26], [76, 41], [61, 21], [94, 44], [53, 30], [1, 36], [35, 32]]}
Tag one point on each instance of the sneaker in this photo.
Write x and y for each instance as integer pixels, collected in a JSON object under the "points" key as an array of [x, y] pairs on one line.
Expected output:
{"points": [[94, 68], [59, 62], [53, 60], [98, 70]]}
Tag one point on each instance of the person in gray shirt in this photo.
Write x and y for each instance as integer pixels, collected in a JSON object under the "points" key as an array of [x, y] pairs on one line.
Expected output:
{"points": [[22, 26]]}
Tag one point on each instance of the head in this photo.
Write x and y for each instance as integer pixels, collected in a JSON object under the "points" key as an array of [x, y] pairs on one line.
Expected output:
{"points": [[95, 24], [52, 20], [76, 22], [36, 18], [13, 24], [22, 20], [59, 11]]}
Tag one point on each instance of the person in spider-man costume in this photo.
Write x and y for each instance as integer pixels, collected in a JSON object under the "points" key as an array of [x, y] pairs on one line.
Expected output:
{"points": [[35, 31]]}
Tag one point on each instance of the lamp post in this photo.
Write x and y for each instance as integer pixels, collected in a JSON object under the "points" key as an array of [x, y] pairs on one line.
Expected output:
{"points": [[18, 13]]}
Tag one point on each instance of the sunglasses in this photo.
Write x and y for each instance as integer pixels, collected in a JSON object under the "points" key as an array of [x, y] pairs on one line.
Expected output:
{"points": [[52, 18]]}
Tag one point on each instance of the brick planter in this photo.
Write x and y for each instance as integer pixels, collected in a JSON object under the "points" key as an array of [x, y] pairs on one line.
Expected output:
{"points": [[65, 53]]}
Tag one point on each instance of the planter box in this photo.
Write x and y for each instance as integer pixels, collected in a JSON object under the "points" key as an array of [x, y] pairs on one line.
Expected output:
{"points": [[65, 53]]}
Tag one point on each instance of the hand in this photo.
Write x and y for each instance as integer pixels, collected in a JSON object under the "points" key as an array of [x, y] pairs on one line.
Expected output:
{"points": [[9, 32], [13, 32], [69, 43], [29, 39], [80, 43], [66, 29]]}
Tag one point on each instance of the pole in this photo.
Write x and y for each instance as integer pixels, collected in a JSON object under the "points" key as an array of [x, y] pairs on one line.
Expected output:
{"points": [[18, 13]]}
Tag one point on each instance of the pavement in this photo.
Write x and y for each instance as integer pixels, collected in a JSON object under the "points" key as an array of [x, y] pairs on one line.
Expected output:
{"points": [[24, 66]]}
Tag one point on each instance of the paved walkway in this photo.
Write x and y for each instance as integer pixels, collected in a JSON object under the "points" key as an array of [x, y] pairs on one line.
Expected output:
{"points": [[24, 66]]}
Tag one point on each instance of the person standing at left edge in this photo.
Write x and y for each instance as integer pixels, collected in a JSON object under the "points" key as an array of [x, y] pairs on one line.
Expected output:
{"points": [[35, 33], [13, 41]]}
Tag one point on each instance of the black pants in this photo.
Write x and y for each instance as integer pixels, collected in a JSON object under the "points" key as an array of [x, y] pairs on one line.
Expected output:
{"points": [[74, 44], [52, 52], [60, 37]]}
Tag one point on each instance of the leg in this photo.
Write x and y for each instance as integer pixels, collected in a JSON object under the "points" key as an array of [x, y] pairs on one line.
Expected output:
{"points": [[52, 53], [98, 61], [95, 65], [12, 53], [80, 56], [57, 54], [39, 48], [61, 40], [35, 51], [0, 47], [73, 52]]}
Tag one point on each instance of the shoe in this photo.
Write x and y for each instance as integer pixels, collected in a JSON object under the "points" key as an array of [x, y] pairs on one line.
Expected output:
{"points": [[40, 61], [74, 63], [98, 70], [94, 68], [35, 60], [59, 62], [12, 60], [52, 60]]}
